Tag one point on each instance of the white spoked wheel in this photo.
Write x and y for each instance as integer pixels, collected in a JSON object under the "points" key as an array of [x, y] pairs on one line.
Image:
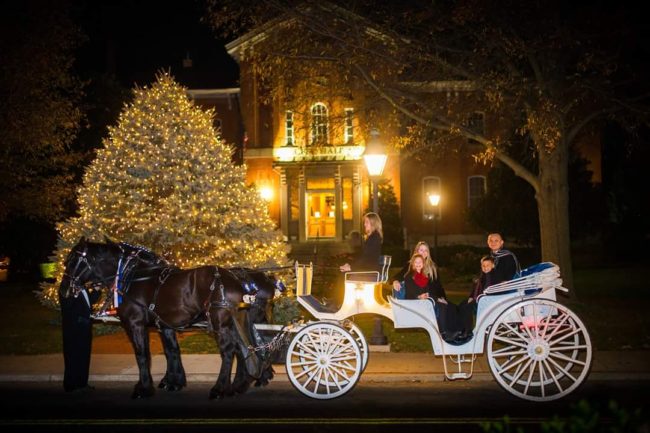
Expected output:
{"points": [[353, 329], [539, 350], [324, 361]]}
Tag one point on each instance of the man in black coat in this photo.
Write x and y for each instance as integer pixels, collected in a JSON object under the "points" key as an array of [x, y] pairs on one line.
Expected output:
{"points": [[506, 264], [76, 327]]}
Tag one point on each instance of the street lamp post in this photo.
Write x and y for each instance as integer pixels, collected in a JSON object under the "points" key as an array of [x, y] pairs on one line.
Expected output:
{"points": [[375, 159], [434, 199]]}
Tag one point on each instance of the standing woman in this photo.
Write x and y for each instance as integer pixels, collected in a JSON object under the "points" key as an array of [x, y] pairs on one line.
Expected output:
{"points": [[436, 290], [369, 258]]}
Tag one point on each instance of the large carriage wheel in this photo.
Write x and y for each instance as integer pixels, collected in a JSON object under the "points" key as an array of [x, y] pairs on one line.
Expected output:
{"points": [[323, 361], [539, 350], [356, 332]]}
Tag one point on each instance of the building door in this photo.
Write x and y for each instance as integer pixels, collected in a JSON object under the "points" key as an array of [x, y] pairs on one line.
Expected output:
{"points": [[320, 213]]}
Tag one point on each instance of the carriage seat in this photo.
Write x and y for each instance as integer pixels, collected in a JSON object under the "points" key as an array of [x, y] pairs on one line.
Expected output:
{"points": [[377, 277], [318, 305], [531, 280]]}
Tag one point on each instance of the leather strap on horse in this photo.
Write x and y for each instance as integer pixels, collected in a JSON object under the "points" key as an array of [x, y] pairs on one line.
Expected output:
{"points": [[161, 280], [209, 303]]}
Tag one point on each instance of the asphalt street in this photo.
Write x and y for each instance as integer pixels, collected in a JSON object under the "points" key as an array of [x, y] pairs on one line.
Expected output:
{"points": [[377, 407]]}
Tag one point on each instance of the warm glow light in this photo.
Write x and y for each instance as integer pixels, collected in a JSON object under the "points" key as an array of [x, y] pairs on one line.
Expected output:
{"points": [[266, 193], [364, 293], [317, 214], [331, 214], [434, 199], [375, 163], [374, 155], [285, 153]]}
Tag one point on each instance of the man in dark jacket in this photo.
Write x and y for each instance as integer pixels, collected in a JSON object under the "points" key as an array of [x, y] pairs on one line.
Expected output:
{"points": [[506, 264], [76, 327]]}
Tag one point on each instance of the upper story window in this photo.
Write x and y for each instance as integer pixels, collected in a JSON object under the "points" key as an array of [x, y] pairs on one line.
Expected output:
{"points": [[475, 189], [348, 135], [288, 126], [319, 124], [476, 123], [430, 185]]}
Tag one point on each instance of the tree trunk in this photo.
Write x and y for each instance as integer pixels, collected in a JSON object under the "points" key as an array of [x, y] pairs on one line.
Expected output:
{"points": [[553, 205]]}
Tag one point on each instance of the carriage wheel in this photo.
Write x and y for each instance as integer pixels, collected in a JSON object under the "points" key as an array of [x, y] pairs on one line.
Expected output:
{"points": [[353, 329], [323, 361], [539, 350]]}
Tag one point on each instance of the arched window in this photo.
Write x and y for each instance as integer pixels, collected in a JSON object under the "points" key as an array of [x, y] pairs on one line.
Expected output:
{"points": [[475, 189], [319, 124]]}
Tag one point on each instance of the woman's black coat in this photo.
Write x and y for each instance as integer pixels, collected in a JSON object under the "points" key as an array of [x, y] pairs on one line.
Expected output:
{"points": [[433, 288], [369, 258]]}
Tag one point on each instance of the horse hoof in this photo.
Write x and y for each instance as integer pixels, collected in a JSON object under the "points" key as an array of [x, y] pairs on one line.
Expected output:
{"points": [[216, 395], [241, 387], [142, 393], [173, 388]]}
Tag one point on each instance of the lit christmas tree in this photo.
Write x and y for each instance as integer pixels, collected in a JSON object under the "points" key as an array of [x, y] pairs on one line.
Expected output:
{"points": [[164, 181]]}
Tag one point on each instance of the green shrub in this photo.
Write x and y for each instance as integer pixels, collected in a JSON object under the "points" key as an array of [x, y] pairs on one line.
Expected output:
{"points": [[285, 309], [465, 262]]}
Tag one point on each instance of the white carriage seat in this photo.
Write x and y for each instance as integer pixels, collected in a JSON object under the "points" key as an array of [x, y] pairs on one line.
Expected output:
{"points": [[375, 278], [380, 276], [539, 277]]}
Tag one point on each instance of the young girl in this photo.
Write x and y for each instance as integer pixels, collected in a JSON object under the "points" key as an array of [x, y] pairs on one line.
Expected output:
{"points": [[419, 285], [429, 269]]}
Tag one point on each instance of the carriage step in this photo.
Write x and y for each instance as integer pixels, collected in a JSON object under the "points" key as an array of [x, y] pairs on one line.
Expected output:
{"points": [[457, 376], [105, 318]]}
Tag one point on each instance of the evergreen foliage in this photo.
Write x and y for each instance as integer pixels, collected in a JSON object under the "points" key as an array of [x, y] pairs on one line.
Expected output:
{"points": [[164, 180]]}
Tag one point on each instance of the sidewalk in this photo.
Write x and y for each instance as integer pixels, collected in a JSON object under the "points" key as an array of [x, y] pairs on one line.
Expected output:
{"points": [[382, 367]]}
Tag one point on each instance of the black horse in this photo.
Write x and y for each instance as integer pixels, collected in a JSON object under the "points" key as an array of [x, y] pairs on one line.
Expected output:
{"points": [[157, 294]]}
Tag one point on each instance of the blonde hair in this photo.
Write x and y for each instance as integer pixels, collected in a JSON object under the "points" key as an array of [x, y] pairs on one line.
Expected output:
{"points": [[375, 223], [429, 269], [412, 262]]}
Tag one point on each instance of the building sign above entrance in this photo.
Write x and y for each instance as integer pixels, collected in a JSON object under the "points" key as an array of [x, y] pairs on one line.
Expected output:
{"points": [[318, 153]]}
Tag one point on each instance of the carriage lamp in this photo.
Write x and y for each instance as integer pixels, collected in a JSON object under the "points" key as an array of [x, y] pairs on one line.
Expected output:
{"points": [[363, 294]]}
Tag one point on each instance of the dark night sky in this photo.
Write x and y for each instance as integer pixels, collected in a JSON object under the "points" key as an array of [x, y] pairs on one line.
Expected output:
{"points": [[135, 39]]}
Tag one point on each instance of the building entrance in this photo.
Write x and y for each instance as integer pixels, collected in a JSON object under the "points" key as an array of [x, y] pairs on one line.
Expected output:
{"points": [[321, 214]]}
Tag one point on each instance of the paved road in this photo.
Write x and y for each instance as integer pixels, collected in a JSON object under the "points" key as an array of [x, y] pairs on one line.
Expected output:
{"points": [[377, 407]]}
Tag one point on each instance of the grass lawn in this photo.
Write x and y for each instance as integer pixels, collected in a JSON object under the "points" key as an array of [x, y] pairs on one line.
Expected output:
{"points": [[614, 303]]}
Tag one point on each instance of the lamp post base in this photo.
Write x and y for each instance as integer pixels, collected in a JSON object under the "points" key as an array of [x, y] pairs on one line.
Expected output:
{"points": [[378, 338]]}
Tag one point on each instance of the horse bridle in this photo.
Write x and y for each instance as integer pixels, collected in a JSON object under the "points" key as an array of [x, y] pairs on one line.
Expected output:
{"points": [[76, 273]]}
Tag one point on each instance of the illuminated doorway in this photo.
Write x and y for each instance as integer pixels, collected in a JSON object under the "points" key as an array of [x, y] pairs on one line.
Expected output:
{"points": [[321, 214]]}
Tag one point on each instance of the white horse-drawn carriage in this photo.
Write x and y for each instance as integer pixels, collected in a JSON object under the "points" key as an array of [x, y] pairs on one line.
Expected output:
{"points": [[536, 348]]}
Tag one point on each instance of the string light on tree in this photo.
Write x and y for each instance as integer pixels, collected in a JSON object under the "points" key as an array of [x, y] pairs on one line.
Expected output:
{"points": [[164, 180]]}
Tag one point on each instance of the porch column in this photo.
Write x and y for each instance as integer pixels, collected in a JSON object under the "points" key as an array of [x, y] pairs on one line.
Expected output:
{"points": [[302, 190], [338, 199], [284, 204], [357, 197]]}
